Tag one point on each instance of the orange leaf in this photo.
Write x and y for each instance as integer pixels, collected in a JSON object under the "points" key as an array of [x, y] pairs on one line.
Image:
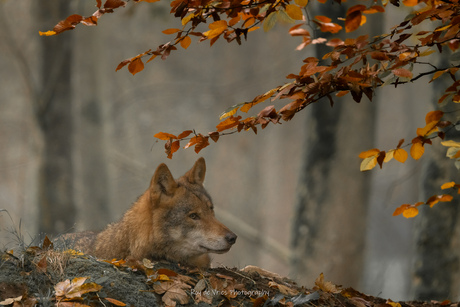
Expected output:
{"points": [[438, 74], [401, 209], [228, 123], [47, 33], [428, 129], [369, 153], [417, 150], [216, 28], [410, 212], [185, 42], [171, 31], [400, 155], [433, 116], [326, 25], [164, 136], [353, 21], [184, 134], [448, 185], [114, 301], [294, 11], [136, 66]]}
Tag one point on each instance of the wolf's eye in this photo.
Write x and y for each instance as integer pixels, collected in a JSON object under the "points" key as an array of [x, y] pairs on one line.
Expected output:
{"points": [[194, 216]]}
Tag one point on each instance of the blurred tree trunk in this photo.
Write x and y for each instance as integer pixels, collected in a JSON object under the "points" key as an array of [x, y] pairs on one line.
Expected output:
{"points": [[91, 179], [436, 250], [53, 109], [328, 232]]}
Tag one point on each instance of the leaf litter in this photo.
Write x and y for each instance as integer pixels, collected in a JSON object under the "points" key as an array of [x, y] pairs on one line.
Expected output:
{"points": [[28, 279]]}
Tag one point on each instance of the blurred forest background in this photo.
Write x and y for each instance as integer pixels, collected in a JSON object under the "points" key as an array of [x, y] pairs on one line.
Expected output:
{"points": [[76, 133]]}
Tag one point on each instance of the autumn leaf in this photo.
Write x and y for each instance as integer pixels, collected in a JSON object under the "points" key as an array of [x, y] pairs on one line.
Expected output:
{"points": [[451, 143], [402, 72], [417, 150], [165, 136], [448, 185], [170, 31], [75, 288], [326, 24], [433, 200], [408, 211], [433, 116], [326, 286], [136, 66], [185, 42], [400, 155], [10, 301], [115, 302], [353, 21], [47, 33], [428, 129], [270, 21], [369, 153], [294, 11], [228, 123], [184, 134], [216, 28], [283, 289], [173, 292]]}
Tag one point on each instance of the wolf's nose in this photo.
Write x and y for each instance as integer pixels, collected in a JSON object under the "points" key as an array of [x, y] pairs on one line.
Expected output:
{"points": [[231, 238]]}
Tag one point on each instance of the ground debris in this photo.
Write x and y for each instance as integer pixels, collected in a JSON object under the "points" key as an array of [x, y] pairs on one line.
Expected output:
{"points": [[42, 276]]}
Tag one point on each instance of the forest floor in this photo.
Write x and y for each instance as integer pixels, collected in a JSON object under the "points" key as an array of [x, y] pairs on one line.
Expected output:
{"points": [[43, 276]]}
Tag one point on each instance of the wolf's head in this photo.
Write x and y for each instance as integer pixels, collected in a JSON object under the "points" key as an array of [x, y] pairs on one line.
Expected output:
{"points": [[185, 215]]}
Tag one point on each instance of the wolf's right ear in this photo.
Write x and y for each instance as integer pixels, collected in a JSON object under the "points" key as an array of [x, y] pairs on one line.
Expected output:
{"points": [[163, 181]]}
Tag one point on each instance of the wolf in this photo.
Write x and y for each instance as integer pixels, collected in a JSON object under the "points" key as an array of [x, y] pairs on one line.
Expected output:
{"points": [[173, 220]]}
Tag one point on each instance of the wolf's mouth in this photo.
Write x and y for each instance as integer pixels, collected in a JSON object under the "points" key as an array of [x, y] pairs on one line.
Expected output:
{"points": [[215, 251]]}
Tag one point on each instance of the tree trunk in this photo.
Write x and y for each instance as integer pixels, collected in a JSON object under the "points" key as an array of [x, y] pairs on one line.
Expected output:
{"points": [[53, 109], [436, 250], [328, 232]]}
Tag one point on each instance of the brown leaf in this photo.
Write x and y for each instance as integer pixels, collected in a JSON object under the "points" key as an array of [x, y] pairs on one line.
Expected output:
{"points": [[214, 136], [173, 292], [115, 302], [113, 4], [42, 264], [353, 21], [228, 123], [136, 66], [326, 286], [165, 136]]}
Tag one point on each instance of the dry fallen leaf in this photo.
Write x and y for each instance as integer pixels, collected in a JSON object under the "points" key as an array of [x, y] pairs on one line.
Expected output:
{"points": [[326, 286], [10, 301], [115, 302], [283, 289], [173, 292]]}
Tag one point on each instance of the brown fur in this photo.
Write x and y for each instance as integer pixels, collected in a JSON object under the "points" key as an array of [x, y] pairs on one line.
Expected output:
{"points": [[172, 220]]}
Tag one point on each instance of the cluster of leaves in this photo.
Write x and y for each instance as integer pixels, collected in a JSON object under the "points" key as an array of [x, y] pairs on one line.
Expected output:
{"points": [[424, 136], [354, 66], [76, 292]]}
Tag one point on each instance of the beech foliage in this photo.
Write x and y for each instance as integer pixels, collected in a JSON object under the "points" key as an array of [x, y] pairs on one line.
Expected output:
{"points": [[355, 66]]}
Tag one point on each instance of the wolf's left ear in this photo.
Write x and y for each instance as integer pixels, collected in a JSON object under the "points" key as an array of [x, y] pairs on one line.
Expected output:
{"points": [[163, 181], [197, 173]]}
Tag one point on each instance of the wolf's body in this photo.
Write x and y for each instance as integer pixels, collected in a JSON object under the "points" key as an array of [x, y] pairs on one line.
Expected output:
{"points": [[172, 220]]}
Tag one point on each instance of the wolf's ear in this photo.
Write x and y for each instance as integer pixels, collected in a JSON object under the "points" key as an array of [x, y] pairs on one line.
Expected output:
{"points": [[163, 181], [197, 173]]}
